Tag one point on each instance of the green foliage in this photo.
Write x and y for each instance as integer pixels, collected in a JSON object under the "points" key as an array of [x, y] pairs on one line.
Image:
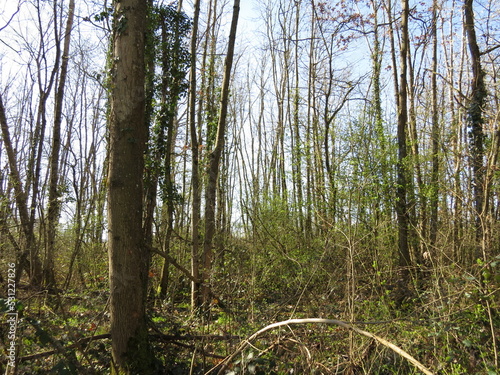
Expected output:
{"points": [[175, 56], [43, 336], [104, 15], [64, 368], [253, 364], [212, 111], [11, 306], [168, 53], [66, 365]]}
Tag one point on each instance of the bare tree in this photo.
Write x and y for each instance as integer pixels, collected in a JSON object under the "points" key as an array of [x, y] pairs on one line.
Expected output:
{"points": [[434, 196], [402, 172], [54, 194], [215, 157], [28, 258], [195, 168]]}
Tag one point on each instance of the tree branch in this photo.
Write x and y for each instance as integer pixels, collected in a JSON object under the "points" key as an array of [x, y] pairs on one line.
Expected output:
{"points": [[381, 340]]}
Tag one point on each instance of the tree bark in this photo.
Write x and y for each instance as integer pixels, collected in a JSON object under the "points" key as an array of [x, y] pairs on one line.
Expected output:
{"points": [[195, 174], [402, 179], [54, 203], [434, 196], [475, 118], [128, 257], [215, 157]]}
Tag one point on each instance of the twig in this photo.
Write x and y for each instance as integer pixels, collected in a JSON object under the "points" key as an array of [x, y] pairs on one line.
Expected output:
{"points": [[384, 342], [194, 337]]}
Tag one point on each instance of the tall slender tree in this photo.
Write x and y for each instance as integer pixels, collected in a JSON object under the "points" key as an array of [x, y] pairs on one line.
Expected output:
{"points": [[434, 196], [195, 168], [475, 118], [28, 258], [53, 209], [215, 156], [402, 172], [173, 83], [128, 257]]}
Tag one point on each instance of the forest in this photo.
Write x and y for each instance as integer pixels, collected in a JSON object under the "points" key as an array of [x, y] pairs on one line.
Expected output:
{"points": [[264, 187]]}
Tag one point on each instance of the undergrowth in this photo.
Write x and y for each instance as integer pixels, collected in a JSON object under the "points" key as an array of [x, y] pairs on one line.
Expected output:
{"points": [[448, 321]]}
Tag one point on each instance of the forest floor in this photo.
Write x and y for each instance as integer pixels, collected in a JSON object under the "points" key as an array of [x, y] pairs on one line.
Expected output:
{"points": [[450, 326]]}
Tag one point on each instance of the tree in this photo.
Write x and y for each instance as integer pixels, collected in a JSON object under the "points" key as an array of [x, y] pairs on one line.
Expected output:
{"points": [[175, 60], [195, 169], [28, 258], [168, 26], [401, 85], [475, 118], [434, 198], [54, 194], [128, 257], [215, 157]]}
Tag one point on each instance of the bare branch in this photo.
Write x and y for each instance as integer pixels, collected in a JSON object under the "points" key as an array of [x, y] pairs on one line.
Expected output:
{"points": [[346, 325], [11, 17]]}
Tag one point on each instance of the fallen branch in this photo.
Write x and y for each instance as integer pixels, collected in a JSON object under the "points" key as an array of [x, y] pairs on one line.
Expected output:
{"points": [[169, 338], [77, 344], [186, 273], [194, 337], [223, 365], [173, 262]]}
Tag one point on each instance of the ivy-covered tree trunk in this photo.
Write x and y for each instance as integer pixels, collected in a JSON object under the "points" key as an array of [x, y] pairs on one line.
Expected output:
{"points": [[128, 257], [174, 62], [475, 118]]}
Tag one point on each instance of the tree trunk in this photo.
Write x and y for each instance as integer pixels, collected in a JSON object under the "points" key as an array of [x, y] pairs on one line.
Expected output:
{"points": [[402, 179], [214, 159], [175, 88], [416, 195], [475, 118], [297, 144], [54, 203], [195, 174], [434, 195], [128, 257], [28, 259]]}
